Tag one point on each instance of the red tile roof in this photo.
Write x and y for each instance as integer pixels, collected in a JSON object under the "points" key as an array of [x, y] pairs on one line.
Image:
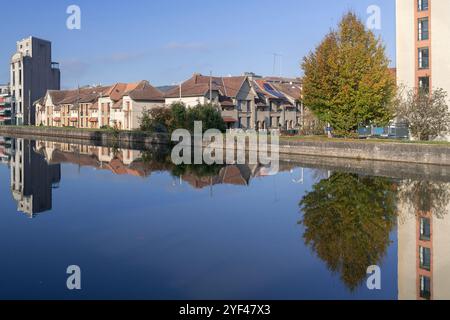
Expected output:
{"points": [[199, 85]]}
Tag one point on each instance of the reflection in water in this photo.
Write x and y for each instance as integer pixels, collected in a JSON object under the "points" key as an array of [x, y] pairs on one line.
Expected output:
{"points": [[36, 168], [348, 220], [424, 240], [32, 178]]}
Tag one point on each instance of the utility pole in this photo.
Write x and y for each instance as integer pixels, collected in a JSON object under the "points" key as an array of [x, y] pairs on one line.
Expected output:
{"points": [[210, 87]]}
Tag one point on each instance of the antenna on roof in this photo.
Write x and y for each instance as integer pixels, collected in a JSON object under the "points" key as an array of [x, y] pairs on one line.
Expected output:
{"points": [[275, 57]]}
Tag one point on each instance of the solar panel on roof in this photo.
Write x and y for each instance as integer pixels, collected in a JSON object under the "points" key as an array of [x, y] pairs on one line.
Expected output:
{"points": [[272, 91]]}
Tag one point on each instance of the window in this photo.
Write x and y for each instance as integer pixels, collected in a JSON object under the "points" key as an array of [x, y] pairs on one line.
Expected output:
{"points": [[422, 5], [425, 229], [425, 287], [424, 84], [425, 258], [423, 29], [424, 58]]}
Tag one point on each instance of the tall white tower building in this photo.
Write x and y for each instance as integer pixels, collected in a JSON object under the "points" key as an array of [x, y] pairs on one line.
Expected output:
{"points": [[423, 44]]}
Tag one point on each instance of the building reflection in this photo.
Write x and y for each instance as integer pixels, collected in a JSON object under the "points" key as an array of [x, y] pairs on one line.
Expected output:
{"points": [[424, 241], [348, 218], [35, 168], [32, 178]]}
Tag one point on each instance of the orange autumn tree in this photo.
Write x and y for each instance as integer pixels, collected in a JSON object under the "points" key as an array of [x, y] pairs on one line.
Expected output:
{"points": [[347, 81]]}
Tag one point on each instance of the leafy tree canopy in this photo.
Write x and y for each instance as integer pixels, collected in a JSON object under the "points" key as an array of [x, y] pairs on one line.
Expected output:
{"points": [[347, 80], [348, 220]]}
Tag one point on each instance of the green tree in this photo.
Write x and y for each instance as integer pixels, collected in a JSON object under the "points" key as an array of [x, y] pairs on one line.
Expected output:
{"points": [[208, 114], [156, 120], [167, 120], [179, 115], [347, 81], [348, 220]]}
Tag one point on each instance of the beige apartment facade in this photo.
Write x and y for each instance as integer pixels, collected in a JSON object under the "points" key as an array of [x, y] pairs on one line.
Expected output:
{"points": [[423, 44]]}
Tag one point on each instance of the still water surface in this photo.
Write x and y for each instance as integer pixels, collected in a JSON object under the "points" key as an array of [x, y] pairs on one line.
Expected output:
{"points": [[141, 228]]}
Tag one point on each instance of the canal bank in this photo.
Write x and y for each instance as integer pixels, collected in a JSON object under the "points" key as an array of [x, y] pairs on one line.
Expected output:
{"points": [[399, 152]]}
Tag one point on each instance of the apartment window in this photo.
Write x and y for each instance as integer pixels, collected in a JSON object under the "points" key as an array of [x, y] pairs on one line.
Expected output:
{"points": [[425, 258], [424, 58], [20, 77], [422, 5], [425, 287], [423, 29], [425, 229], [14, 78], [424, 84]]}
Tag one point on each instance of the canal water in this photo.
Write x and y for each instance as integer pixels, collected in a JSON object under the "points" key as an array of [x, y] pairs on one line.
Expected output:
{"points": [[139, 227]]}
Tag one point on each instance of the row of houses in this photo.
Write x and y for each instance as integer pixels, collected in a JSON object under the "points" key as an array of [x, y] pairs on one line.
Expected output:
{"points": [[246, 102]]}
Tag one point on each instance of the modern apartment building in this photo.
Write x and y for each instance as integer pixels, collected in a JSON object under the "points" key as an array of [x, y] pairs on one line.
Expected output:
{"points": [[32, 74], [423, 44]]}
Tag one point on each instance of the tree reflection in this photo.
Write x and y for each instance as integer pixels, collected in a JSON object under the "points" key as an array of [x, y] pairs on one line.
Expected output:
{"points": [[348, 220], [426, 196], [162, 159]]}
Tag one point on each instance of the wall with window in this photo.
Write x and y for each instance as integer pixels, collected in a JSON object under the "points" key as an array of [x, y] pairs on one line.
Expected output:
{"points": [[440, 42]]}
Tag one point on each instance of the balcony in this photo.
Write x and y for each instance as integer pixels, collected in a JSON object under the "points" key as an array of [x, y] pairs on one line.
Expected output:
{"points": [[55, 65]]}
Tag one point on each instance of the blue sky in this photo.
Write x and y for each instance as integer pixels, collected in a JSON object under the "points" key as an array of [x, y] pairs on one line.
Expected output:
{"points": [[166, 41]]}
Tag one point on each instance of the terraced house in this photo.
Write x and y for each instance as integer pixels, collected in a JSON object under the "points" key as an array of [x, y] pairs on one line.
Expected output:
{"points": [[70, 108], [246, 102], [120, 106], [123, 104]]}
